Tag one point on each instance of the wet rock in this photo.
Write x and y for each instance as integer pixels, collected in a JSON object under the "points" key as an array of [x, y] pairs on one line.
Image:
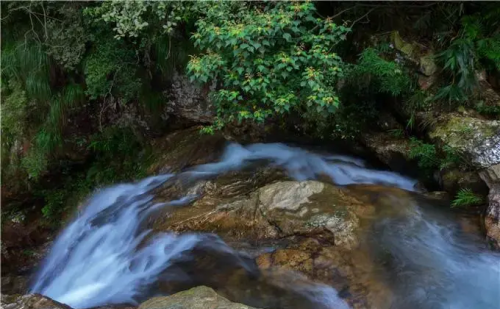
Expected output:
{"points": [[476, 138], [30, 301], [276, 210], [492, 218], [438, 195], [391, 150], [347, 271], [196, 298], [189, 101]]}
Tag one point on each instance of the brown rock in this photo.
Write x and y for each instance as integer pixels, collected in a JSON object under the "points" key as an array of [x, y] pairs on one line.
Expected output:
{"points": [[185, 148], [277, 210], [492, 219]]}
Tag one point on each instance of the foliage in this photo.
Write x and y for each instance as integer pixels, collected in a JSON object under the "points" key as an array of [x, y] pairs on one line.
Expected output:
{"points": [[384, 75], [133, 19], [452, 158], [425, 153], [477, 45], [430, 158], [465, 197], [68, 36], [488, 110], [66, 65], [13, 109], [270, 58], [398, 133], [459, 61], [110, 71], [115, 143]]}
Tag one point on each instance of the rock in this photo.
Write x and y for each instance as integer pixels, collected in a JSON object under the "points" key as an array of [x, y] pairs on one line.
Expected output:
{"points": [[24, 243], [492, 218], [452, 180], [438, 196], [486, 94], [297, 219], [347, 271], [189, 101], [31, 301], [201, 297], [386, 122], [476, 138], [185, 148], [14, 284], [427, 65], [491, 175], [392, 151], [276, 210]]}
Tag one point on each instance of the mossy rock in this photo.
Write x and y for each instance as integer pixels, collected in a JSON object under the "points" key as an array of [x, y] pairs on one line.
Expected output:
{"points": [[201, 297], [476, 138]]}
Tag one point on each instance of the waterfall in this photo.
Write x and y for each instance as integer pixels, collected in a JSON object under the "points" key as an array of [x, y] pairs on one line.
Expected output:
{"points": [[106, 256]]}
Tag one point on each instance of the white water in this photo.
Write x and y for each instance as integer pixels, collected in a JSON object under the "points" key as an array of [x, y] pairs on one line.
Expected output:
{"points": [[105, 257]]}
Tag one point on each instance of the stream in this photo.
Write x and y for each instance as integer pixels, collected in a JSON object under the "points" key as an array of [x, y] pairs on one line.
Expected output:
{"points": [[107, 255]]}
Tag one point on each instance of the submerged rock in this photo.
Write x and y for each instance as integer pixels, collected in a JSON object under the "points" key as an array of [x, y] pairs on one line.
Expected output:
{"points": [[201, 297]]}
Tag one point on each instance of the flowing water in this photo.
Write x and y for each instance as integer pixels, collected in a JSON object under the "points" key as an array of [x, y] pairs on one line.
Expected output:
{"points": [[107, 256]]}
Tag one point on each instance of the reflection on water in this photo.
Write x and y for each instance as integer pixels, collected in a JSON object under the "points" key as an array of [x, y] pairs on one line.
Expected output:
{"points": [[421, 256]]}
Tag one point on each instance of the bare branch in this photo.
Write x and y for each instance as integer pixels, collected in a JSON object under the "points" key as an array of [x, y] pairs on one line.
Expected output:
{"points": [[352, 25]]}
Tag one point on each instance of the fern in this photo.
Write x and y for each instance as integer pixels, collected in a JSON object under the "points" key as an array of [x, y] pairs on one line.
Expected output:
{"points": [[465, 197], [425, 153], [387, 76]]}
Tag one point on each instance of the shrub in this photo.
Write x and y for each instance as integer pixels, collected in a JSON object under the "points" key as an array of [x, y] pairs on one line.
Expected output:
{"points": [[269, 58]]}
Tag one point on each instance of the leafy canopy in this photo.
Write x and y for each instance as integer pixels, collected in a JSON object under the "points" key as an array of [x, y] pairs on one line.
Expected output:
{"points": [[269, 58]]}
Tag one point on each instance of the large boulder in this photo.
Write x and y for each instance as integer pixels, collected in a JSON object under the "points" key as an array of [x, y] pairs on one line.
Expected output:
{"points": [[201, 297], [307, 227], [276, 210], [476, 138]]}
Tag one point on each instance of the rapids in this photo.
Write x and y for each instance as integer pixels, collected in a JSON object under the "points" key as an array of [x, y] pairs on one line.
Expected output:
{"points": [[107, 256]]}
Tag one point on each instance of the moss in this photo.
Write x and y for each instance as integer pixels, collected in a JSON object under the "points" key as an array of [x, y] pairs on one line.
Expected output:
{"points": [[458, 131]]}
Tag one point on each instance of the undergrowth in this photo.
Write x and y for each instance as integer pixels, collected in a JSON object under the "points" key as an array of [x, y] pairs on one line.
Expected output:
{"points": [[466, 198]]}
